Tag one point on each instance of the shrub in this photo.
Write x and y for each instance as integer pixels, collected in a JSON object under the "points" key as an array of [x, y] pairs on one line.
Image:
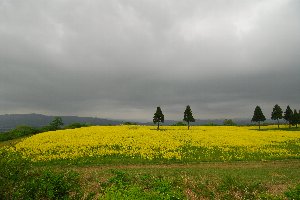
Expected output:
{"points": [[24, 131], [293, 193], [229, 122], [123, 186], [6, 136], [18, 182], [53, 185], [179, 124], [75, 125], [13, 172], [19, 131], [130, 123]]}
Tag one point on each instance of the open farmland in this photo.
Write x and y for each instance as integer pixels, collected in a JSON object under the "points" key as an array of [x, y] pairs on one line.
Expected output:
{"points": [[139, 162], [172, 144]]}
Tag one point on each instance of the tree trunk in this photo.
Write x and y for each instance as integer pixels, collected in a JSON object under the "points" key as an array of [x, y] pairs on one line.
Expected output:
{"points": [[188, 125], [157, 125], [278, 122], [259, 125]]}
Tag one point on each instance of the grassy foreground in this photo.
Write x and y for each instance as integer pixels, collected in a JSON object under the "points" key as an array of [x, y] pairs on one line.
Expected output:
{"points": [[239, 180], [259, 164]]}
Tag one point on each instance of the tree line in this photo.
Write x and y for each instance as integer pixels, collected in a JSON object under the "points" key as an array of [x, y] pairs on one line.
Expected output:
{"points": [[290, 116], [187, 116], [23, 130]]}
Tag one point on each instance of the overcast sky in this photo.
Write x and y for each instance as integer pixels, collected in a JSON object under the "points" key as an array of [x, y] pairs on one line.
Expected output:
{"points": [[122, 58]]}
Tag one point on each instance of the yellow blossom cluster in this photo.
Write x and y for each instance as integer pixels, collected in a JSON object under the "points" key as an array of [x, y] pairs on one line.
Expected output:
{"points": [[203, 143]]}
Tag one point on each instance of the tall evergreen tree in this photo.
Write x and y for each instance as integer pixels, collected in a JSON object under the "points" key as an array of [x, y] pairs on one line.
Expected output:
{"points": [[298, 117], [258, 116], [295, 118], [288, 114], [158, 117], [188, 116], [276, 114]]}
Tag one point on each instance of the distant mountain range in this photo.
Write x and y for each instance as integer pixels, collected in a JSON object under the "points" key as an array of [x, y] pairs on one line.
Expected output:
{"points": [[208, 122], [10, 121]]}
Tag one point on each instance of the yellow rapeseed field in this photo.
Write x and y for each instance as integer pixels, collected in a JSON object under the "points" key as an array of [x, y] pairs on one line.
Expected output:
{"points": [[200, 143]]}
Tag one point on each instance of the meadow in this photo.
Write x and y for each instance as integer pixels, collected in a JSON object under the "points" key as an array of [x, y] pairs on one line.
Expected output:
{"points": [[172, 144], [139, 162]]}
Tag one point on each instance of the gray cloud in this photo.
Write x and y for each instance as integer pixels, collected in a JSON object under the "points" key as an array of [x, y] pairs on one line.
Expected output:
{"points": [[120, 59]]}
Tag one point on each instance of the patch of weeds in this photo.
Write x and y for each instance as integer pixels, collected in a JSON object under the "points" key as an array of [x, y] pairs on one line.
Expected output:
{"points": [[18, 181], [228, 187], [293, 193], [233, 188], [205, 190], [53, 185], [14, 171], [123, 186]]}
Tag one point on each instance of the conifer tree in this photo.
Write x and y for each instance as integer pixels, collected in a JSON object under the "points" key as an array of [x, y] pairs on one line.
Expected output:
{"points": [[288, 114], [295, 118], [276, 114], [158, 117], [298, 117], [258, 116], [188, 116]]}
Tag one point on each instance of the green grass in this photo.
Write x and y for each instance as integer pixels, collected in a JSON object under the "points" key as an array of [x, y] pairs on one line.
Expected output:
{"points": [[211, 180], [125, 178]]}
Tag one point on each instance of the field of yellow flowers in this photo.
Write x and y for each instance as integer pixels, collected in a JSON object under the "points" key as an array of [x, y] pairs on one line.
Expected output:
{"points": [[200, 143]]}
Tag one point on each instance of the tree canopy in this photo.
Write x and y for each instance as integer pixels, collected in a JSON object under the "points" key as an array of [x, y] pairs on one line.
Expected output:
{"points": [[158, 117], [56, 123], [229, 122], [295, 119], [288, 115], [277, 114], [188, 116], [258, 116]]}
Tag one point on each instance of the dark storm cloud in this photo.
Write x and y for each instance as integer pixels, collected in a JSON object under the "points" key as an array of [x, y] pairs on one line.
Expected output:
{"points": [[121, 59]]}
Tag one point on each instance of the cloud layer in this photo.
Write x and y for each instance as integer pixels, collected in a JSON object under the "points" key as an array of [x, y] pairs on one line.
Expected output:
{"points": [[121, 59]]}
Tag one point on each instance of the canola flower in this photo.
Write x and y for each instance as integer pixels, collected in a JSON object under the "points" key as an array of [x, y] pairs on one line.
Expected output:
{"points": [[201, 143]]}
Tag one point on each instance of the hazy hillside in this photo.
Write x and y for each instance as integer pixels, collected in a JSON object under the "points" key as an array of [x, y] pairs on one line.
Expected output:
{"points": [[207, 122], [10, 121]]}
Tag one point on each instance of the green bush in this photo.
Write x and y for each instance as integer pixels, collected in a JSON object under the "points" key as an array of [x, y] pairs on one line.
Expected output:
{"points": [[24, 131], [229, 122], [6, 136], [293, 193], [179, 124], [75, 125], [53, 185], [19, 131], [47, 128], [130, 123], [123, 186], [13, 172], [17, 181]]}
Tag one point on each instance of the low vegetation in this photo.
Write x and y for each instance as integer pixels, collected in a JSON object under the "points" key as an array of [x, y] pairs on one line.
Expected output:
{"points": [[147, 162], [136, 144], [19, 181], [23, 131], [19, 132], [22, 179]]}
